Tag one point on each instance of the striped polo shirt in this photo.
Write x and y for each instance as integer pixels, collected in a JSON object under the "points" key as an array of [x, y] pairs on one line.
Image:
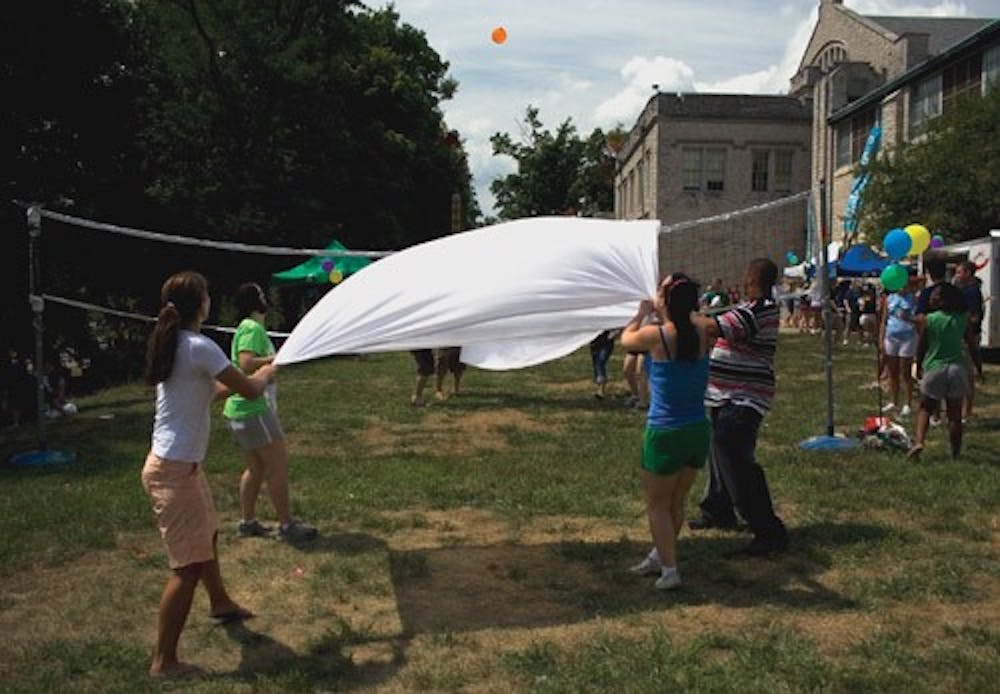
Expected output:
{"points": [[742, 362]]}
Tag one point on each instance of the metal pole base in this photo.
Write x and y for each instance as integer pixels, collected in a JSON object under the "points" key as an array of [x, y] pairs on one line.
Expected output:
{"points": [[829, 443], [39, 458]]}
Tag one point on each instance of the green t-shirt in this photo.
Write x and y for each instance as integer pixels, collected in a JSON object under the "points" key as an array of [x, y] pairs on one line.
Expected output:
{"points": [[250, 337], [945, 335]]}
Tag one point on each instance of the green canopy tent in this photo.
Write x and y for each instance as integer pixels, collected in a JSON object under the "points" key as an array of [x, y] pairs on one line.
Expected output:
{"points": [[317, 269]]}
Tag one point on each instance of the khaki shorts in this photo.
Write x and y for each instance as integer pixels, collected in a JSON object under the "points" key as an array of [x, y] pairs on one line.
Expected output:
{"points": [[949, 382], [185, 512]]}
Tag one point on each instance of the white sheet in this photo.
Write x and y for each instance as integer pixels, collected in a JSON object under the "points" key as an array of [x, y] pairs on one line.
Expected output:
{"points": [[511, 295]]}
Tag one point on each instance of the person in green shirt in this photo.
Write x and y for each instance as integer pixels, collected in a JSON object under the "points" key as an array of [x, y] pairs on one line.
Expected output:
{"points": [[255, 426], [941, 363]]}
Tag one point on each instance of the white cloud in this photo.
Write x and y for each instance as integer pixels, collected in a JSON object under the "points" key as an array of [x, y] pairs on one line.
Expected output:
{"points": [[908, 9], [669, 74]]}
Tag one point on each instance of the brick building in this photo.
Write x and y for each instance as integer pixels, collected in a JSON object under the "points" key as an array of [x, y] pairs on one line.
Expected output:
{"points": [[860, 70], [691, 156]]}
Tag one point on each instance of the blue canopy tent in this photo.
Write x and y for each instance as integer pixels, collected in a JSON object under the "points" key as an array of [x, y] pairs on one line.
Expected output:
{"points": [[859, 261]]}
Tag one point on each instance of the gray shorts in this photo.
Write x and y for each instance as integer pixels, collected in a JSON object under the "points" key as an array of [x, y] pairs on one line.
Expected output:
{"points": [[949, 382], [257, 430]]}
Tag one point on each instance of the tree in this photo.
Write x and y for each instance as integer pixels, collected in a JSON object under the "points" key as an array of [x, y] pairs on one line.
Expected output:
{"points": [[948, 180], [557, 173]]}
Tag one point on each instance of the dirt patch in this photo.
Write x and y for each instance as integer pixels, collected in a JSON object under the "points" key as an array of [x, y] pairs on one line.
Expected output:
{"points": [[453, 433]]}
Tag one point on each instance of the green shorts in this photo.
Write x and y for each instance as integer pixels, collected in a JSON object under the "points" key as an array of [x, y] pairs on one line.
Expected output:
{"points": [[665, 451]]}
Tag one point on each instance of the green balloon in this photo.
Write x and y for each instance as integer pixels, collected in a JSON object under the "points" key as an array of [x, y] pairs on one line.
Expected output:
{"points": [[894, 277]]}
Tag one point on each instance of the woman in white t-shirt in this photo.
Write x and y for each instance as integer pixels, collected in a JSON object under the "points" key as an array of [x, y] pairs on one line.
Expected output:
{"points": [[189, 371]]}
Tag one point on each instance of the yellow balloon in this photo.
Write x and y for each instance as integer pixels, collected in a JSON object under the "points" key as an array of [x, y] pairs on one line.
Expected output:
{"points": [[336, 276], [920, 236]]}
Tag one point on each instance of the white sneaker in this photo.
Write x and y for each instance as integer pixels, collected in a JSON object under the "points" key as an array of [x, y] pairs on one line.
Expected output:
{"points": [[647, 567], [668, 581], [888, 407], [935, 421], [905, 412]]}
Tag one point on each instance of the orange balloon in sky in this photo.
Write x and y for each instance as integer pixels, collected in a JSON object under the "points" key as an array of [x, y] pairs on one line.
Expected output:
{"points": [[499, 35]]}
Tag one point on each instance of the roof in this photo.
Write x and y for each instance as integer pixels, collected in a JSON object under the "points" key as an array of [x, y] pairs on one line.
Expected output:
{"points": [[732, 106], [943, 32], [985, 34]]}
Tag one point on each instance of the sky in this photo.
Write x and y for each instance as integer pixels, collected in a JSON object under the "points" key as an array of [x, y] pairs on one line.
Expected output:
{"points": [[595, 61]]}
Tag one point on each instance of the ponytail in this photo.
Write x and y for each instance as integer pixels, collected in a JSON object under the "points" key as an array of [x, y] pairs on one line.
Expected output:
{"points": [[682, 301], [162, 345], [182, 296]]}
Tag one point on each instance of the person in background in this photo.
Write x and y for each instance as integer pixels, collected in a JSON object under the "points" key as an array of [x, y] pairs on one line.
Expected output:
{"points": [[868, 320], [448, 359], [676, 440], [966, 280], [941, 364], [189, 372], [899, 343], [740, 391], [601, 348], [424, 360], [255, 426]]}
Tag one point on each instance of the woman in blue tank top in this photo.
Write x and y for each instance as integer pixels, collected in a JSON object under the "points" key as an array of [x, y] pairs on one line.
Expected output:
{"points": [[677, 435]]}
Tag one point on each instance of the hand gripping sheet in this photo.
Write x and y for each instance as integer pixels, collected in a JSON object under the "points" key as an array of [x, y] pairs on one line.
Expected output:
{"points": [[511, 295]]}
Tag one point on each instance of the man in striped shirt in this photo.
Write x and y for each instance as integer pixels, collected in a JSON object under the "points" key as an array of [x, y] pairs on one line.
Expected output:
{"points": [[740, 391]]}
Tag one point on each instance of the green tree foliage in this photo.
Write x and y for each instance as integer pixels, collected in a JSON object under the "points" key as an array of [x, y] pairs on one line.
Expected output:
{"points": [[557, 173], [297, 121], [948, 180]]}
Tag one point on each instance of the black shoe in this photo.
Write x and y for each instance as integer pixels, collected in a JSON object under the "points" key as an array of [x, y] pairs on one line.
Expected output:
{"points": [[706, 523]]}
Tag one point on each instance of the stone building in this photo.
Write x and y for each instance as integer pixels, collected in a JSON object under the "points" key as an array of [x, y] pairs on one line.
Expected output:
{"points": [[691, 156], [859, 70]]}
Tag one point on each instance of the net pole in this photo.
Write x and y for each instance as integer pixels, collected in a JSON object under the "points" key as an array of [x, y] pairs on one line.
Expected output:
{"points": [[824, 284], [37, 303]]}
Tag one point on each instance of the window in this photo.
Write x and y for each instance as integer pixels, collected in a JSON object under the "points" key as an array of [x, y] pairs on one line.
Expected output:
{"points": [[642, 187], [925, 103], [704, 168], [861, 125], [715, 169], [991, 68], [783, 171], [692, 168], [758, 170], [964, 77], [844, 144]]}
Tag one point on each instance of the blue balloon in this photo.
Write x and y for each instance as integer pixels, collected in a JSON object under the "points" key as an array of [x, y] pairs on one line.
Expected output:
{"points": [[897, 244]]}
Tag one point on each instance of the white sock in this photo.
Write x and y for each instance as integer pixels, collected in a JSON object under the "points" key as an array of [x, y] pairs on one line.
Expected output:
{"points": [[653, 555], [668, 570]]}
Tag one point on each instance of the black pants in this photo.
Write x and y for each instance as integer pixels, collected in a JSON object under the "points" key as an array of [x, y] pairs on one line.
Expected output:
{"points": [[736, 482]]}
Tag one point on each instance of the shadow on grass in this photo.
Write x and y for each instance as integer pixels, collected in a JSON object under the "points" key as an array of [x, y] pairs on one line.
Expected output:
{"points": [[455, 589], [326, 661]]}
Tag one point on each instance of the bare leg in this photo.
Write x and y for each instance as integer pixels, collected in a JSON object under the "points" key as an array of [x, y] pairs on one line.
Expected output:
{"points": [[250, 482], [954, 408], [274, 459], [219, 601], [175, 605], [892, 364], [418, 390], [927, 407], [905, 365]]}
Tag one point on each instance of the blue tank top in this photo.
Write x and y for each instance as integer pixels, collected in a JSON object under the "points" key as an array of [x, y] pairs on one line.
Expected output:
{"points": [[676, 390]]}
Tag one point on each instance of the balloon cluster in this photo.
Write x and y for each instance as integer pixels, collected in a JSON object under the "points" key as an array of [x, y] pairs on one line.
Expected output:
{"points": [[792, 258], [899, 243]]}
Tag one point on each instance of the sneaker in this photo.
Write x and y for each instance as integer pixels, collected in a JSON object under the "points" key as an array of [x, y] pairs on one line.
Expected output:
{"points": [[935, 421], [297, 531], [647, 567], [888, 407], [668, 581], [252, 528], [763, 547], [905, 412], [631, 401]]}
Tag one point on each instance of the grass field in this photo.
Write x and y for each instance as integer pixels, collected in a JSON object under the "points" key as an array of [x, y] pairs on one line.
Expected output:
{"points": [[480, 544]]}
